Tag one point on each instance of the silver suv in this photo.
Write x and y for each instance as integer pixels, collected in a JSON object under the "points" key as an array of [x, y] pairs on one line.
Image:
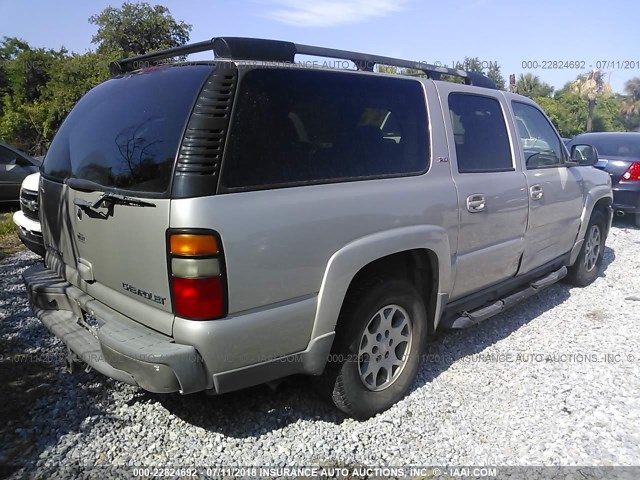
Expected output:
{"points": [[219, 224]]}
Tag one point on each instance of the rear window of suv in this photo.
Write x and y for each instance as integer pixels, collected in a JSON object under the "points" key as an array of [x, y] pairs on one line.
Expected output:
{"points": [[294, 127], [124, 134]]}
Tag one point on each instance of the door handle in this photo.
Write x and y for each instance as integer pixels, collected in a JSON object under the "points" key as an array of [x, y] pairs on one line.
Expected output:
{"points": [[476, 203], [536, 192]]}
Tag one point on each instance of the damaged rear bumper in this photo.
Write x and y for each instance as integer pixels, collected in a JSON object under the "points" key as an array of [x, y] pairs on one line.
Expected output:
{"points": [[117, 346]]}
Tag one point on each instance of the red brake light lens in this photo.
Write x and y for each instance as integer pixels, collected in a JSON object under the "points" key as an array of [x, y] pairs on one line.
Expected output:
{"points": [[197, 273], [632, 173], [198, 298]]}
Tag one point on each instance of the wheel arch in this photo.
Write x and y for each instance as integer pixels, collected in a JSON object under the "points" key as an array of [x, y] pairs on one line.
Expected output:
{"points": [[420, 253], [599, 199]]}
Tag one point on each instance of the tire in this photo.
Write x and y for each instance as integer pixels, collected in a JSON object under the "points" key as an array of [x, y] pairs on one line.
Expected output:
{"points": [[587, 266], [637, 219], [360, 377]]}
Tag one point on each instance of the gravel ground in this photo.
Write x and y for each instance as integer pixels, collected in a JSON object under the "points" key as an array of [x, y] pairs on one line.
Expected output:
{"points": [[554, 381]]}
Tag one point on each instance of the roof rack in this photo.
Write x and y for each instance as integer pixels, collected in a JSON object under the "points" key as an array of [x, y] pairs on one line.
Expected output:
{"points": [[240, 48]]}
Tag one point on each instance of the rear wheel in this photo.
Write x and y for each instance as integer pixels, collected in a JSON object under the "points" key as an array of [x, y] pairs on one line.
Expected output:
{"points": [[587, 266], [379, 342]]}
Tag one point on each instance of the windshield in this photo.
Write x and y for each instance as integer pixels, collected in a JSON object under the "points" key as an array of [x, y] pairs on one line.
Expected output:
{"points": [[125, 133]]}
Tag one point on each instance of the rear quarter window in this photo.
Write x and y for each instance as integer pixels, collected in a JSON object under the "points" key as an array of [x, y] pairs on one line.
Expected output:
{"points": [[292, 127]]}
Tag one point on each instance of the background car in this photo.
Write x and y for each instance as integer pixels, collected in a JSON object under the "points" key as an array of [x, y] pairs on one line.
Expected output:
{"points": [[619, 156], [28, 217], [15, 165]]}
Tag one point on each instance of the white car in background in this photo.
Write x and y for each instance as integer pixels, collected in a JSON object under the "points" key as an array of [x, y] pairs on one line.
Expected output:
{"points": [[27, 218]]}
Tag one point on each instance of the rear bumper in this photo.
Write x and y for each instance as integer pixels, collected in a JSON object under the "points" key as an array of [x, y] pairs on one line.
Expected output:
{"points": [[119, 347], [626, 197], [127, 351]]}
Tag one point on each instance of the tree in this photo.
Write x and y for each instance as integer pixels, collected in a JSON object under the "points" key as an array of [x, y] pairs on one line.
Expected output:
{"points": [[490, 69], [630, 105], [493, 72], [71, 78], [470, 64], [39, 87], [567, 112], [25, 74], [632, 88], [590, 87], [607, 116], [390, 69], [531, 86], [138, 28]]}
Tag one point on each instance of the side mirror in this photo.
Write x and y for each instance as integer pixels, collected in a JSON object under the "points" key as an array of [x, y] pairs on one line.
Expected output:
{"points": [[584, 155]]}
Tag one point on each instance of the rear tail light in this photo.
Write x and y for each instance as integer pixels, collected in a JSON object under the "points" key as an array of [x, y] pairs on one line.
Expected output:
{"points": [[198, 283], [632, 173]]}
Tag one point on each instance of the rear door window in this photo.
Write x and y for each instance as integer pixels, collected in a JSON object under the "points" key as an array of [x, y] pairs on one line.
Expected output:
{"points": [[124, 134], [294, 127], [476, 119]]}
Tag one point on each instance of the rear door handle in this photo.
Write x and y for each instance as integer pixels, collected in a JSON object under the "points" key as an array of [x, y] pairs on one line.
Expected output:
{"points": [[536, 192], [476, 203]]}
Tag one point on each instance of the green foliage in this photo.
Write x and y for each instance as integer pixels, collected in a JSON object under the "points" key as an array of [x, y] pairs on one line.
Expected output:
{"points": [[138, 28], [39, 87], [389, 69], [631, 105], [493, 72], [71, 79], [489, 68], [531, 86], [607, 115], [413, 72], [6, 224], [568, 111]]}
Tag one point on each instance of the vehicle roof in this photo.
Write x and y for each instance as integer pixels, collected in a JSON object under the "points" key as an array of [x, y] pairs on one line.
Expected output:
{"points": [[626, 135]]}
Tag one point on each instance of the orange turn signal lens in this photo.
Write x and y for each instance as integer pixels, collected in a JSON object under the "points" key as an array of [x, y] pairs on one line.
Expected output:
{"points": [[191, 244]]}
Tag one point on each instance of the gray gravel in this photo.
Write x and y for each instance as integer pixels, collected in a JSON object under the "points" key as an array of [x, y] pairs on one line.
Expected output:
{"points": [[528, 387]]}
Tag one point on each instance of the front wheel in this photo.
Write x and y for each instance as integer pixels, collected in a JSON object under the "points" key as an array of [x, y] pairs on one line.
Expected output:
{"points": [[587, 265], [381, 335]]}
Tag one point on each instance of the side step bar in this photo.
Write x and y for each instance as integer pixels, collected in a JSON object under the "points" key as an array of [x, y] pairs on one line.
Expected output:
{"points": [[468, 319]]}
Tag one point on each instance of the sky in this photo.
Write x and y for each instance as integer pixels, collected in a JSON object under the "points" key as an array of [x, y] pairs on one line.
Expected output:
{"points": [[590, 34]]}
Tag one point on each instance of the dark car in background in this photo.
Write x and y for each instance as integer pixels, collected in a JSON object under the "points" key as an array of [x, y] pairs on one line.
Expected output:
{"points": [[15, 165], [619, 156]]}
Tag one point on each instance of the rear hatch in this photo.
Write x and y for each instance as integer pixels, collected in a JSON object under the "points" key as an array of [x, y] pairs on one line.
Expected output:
{"points": [[105, 189]]}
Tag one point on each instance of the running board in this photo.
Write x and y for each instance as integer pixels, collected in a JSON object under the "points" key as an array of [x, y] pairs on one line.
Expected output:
{"points": [[468, 319]]}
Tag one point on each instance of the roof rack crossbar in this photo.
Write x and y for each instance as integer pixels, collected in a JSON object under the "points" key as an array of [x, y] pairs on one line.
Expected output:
{"points": [[367, 62], [140, 61], [240, 48]]}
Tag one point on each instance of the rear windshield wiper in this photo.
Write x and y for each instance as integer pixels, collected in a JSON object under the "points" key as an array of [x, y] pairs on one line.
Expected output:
{"points": [[108, 201]]}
